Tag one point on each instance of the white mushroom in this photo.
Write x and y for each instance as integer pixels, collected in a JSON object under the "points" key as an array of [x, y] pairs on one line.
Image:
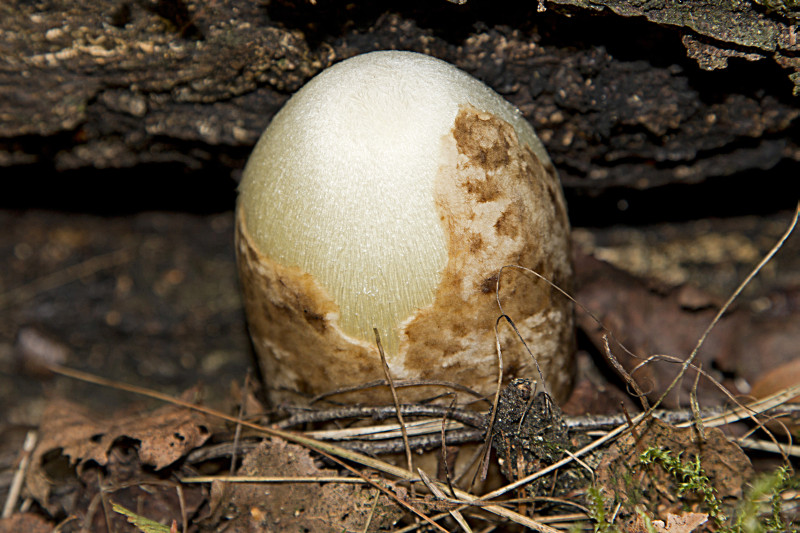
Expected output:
{"points": [[387, 193]]}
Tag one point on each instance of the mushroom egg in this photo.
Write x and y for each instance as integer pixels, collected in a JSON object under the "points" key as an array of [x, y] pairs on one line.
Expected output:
{"points": [[388, 193]]}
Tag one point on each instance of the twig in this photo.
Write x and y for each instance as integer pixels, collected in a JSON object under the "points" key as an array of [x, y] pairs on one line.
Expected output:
{"points": [[414, 527], [697, 420], [238, 432], [712, 417], [19, 475], [107, 507], [447, 473], [236, 437], [775, 403], [769, 446], [388, 375], [372, 512], [274, 479], [614, 362], [471, 418], [483, 470], [182, 503], [437, 492], [420, 443], [402, 383], [91, 511], [382, 431]]}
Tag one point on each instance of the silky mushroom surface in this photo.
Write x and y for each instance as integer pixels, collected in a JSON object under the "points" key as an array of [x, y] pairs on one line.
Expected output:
{"points": [[387, 193]]}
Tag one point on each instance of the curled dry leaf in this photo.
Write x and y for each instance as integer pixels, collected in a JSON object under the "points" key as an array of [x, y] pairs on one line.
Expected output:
{"points": [[70, 430]]}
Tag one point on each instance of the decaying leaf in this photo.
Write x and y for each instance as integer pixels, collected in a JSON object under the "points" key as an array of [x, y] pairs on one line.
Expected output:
{"points": [[650, 323], [72, 432], [772, 381], [626, 480], [684, 523], [642, 522], [661, 320], [775, 380], [291, 507]]}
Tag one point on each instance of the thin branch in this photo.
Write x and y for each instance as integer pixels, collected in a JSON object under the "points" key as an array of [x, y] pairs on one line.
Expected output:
{"points": [[273, 479], [487, 445], [438, 493], [447, 472], [372, 512], [402, 383], [388, 374], [19, 475], [470, 418], [420, 443], [768, 446]]}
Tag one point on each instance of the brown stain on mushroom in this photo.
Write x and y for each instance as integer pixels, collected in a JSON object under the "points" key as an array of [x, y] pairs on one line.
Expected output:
{"points": [[495, 191], [293, 323], [475, 243], [478, 141], [507, 224]]}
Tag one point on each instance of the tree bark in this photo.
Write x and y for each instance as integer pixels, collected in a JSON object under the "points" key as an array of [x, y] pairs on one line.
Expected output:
{"points": [[624, 94]]}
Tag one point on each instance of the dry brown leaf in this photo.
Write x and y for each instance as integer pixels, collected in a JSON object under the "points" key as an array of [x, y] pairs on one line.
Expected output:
{"points": [[626, 480], [291, 507], [70, 430], [684, 523], [165, 435], [649, 322], [777, 379], [652, 319]]}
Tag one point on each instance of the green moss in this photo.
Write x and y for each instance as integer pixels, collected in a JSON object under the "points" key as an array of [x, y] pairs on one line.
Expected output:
{"points": [[597, 512], [751, 515], [768, 488], [689, 476]]}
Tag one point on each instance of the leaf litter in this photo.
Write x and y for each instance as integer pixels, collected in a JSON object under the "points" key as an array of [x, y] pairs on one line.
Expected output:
{"points": [[84, 464]]}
